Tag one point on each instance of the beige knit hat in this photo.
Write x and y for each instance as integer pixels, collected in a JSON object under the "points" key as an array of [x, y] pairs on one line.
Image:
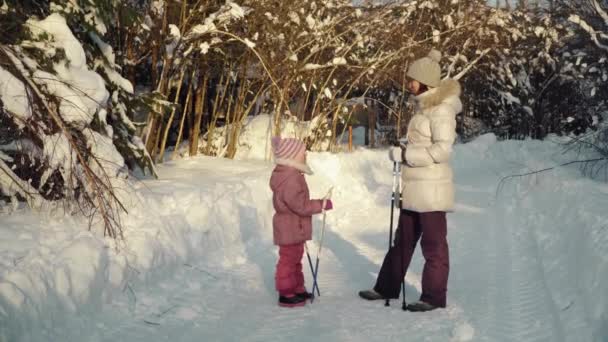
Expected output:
{"points": [[426, 70]]}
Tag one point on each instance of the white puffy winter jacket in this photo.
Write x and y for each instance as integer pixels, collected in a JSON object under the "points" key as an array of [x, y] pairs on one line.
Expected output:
{"points": [[427, 176]]}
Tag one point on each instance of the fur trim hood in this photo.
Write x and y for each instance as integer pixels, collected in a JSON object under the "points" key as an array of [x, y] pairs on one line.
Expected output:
{"points": [[304, 168], [448, 93]]}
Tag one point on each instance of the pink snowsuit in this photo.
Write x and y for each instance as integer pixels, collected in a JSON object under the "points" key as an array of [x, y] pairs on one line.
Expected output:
{"points": [[292, 226]]}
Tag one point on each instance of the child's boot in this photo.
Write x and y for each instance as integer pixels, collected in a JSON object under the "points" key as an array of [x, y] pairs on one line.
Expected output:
{"points": [[291, 301], [306, 295]]}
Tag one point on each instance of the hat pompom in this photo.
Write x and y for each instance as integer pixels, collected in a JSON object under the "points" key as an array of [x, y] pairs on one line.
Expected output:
{"points": [[435, 55]]}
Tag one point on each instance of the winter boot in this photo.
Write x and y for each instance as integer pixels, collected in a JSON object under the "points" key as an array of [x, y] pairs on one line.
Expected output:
{"points": [[370, 295], [420, 306], [290, 302], [306, 295]]}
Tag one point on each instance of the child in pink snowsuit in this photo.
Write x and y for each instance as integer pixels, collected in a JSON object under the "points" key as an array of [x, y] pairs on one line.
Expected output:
{"points": [[292, 221]]}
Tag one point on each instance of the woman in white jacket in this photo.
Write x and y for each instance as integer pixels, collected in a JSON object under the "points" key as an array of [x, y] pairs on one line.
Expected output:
{"points": [[428, 190]]}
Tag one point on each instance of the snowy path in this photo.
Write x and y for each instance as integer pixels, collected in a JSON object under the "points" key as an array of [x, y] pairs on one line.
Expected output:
{"points": [[497, 289]]}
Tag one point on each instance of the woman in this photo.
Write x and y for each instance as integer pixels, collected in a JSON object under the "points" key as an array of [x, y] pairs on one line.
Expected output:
{"points": [[428, 191]]}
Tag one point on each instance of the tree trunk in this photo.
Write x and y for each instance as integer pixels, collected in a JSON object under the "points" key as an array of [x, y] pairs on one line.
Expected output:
{"points": [[161, 154], [187, 107], [153, 121], [372, 126], [199, 107]]}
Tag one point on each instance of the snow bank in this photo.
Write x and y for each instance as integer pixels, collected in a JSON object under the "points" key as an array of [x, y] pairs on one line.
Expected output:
{"points": [[254, 141], [255, 134], [53, 267], [254, 137]]}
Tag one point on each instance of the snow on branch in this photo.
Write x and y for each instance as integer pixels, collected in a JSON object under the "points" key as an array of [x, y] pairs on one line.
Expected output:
{"points": [[11, 184], [471, 65], [576, 19], [600, 11]]}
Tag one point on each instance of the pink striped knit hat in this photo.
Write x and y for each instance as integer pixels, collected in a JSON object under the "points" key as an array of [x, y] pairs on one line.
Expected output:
{"points": [[288, 148]]}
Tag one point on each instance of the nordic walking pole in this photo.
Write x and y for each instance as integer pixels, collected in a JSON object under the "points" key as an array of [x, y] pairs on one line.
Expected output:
{"points": [[316, 272], [390, 234], [403, 304], [403, 144]]}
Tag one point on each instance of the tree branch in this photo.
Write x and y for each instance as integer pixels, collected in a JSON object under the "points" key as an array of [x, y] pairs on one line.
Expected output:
{"points": [[504, 179], [589, 29], [600, 11]]}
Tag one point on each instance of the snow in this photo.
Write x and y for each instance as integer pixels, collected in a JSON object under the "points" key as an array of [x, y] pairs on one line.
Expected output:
{"points": [[158, 7], [110, 70], [102, 147], [507, 96], [255, 134], [436, 36], [175, 36], [199, 263], [201, 29], [539, 31], [311, 22], [72, 105], [82, 91], [236, 11], [339, 61], [93, 19], [226, 13], [118, 80], [204, 47], [14, 96], [59, 155], [249, 43], [293, 16], [56, 26], [5, 157], [106, 49], [57, 151], [312, 66], [174, 31]]}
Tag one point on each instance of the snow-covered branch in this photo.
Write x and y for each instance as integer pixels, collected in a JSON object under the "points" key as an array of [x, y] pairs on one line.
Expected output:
{"points": [[600, 11], [576, 19], [11, 183], [471, 65]]}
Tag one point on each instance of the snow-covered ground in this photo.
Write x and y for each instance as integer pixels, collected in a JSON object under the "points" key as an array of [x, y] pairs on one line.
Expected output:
{"points": [[529, 263]]}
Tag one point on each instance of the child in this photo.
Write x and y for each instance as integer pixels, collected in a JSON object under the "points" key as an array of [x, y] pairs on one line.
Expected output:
{"points": [[292, 221]]}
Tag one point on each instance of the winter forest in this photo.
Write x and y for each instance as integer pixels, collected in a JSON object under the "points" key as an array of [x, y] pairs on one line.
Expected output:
{"points": [[135, 158]]}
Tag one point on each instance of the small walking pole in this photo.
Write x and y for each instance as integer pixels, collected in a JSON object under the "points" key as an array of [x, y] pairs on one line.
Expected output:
{"points": [[312, 270], [316, 270]]}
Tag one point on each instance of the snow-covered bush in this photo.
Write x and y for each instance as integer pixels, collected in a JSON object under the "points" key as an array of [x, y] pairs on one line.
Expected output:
{"points": [[66, 132], [535, 82], [589, 21]]}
